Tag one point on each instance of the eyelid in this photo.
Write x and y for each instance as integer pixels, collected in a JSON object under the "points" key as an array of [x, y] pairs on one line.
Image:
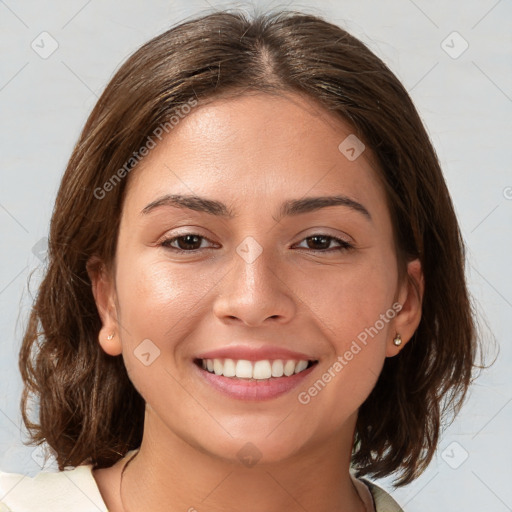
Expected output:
{"points": [[183, 231], [319, 231]]}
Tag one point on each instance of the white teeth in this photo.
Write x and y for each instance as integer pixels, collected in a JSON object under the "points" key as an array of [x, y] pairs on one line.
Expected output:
{"points": [[244, 369], [229, 368], [301, 365], [277, 368], [217, 366], [262, 370], [259, 370], [289, 368]]}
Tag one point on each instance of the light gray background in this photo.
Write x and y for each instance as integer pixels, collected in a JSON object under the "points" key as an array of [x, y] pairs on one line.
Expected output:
{"points": [[465, 103]]}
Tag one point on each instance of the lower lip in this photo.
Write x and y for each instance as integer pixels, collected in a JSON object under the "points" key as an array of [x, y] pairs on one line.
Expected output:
{"points": [[244, 389]]}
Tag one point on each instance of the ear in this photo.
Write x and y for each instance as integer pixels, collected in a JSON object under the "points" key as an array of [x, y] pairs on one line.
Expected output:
{"points": [[410, 296], [103, 290]]}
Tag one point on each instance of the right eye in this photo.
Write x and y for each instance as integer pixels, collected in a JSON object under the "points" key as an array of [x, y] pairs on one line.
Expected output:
{"points": [[188, 242]]}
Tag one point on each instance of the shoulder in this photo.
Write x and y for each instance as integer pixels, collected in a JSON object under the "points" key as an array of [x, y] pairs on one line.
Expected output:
{"points": [[73, 489], [383, 501]]}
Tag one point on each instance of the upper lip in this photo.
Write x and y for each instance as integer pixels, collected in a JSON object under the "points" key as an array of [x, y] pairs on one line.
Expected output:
{"points": [[245, 352]]}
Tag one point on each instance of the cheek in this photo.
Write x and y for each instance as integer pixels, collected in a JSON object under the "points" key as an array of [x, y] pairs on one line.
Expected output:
{"points": [[164, 302], [356, 316], [349, 299], [152, 288], [156, 303]]}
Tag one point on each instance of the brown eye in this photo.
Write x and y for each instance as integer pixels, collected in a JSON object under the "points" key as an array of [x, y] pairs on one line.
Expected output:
{"points": [[189, 242], [319, 242], [322, 243]]}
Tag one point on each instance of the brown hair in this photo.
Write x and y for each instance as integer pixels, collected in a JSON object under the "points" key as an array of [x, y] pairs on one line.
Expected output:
{"points": [[89, 411]]}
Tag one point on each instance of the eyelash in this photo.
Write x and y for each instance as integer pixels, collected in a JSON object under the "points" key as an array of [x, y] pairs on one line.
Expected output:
{"points": [[344, 245]]}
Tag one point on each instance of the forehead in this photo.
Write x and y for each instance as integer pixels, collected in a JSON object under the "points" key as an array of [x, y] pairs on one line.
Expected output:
{"points": [[255, 148]]}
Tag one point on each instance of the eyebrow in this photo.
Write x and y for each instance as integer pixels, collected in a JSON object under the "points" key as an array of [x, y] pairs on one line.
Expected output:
{"points": [[291, 207]]}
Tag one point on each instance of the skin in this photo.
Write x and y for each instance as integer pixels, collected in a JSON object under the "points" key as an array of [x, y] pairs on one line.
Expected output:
{"points": [[251, 152]]}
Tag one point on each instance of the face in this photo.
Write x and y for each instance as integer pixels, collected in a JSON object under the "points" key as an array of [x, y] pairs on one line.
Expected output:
{"points": [[237, 275]]}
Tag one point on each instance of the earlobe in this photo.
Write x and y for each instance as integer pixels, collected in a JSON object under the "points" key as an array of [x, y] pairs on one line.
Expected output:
{"points": [[111, 344], [410, 296], [104, 297]]}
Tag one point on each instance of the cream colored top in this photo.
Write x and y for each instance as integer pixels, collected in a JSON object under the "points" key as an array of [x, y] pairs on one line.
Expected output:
{"points": [[76, 490]]}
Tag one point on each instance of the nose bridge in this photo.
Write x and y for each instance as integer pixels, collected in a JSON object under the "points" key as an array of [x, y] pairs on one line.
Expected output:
{"points": [[253, 289]]}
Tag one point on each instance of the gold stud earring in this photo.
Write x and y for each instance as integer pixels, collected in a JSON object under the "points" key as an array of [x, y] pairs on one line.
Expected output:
{"points": [[110, 336], [397, 340]]}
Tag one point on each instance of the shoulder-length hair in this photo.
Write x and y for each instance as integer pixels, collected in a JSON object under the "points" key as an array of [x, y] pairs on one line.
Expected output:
{"points": [[89, 411]]}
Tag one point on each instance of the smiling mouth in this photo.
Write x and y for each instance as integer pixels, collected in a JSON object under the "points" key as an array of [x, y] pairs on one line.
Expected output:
{"points": [[265, 369]]}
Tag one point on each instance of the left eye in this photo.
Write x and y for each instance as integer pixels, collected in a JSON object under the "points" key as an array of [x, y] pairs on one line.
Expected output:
{"points": [[325, 241], [191, 242]]}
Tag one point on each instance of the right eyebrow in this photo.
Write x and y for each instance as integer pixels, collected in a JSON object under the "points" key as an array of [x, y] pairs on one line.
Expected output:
{"points": [[192, 202]]}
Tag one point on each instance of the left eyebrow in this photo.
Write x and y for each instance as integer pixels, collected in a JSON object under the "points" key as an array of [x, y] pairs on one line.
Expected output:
{"points": [[310, 204], [290, 207]]}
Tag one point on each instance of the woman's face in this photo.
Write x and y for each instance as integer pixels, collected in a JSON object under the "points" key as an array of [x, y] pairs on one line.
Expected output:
{"points": [[262, 270]]}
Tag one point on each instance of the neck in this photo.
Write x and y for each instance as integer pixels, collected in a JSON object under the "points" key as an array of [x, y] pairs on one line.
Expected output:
{"points": [[170, 474]]}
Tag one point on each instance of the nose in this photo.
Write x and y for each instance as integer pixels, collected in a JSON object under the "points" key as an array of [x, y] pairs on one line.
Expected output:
{"points": [[255, 292]]}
